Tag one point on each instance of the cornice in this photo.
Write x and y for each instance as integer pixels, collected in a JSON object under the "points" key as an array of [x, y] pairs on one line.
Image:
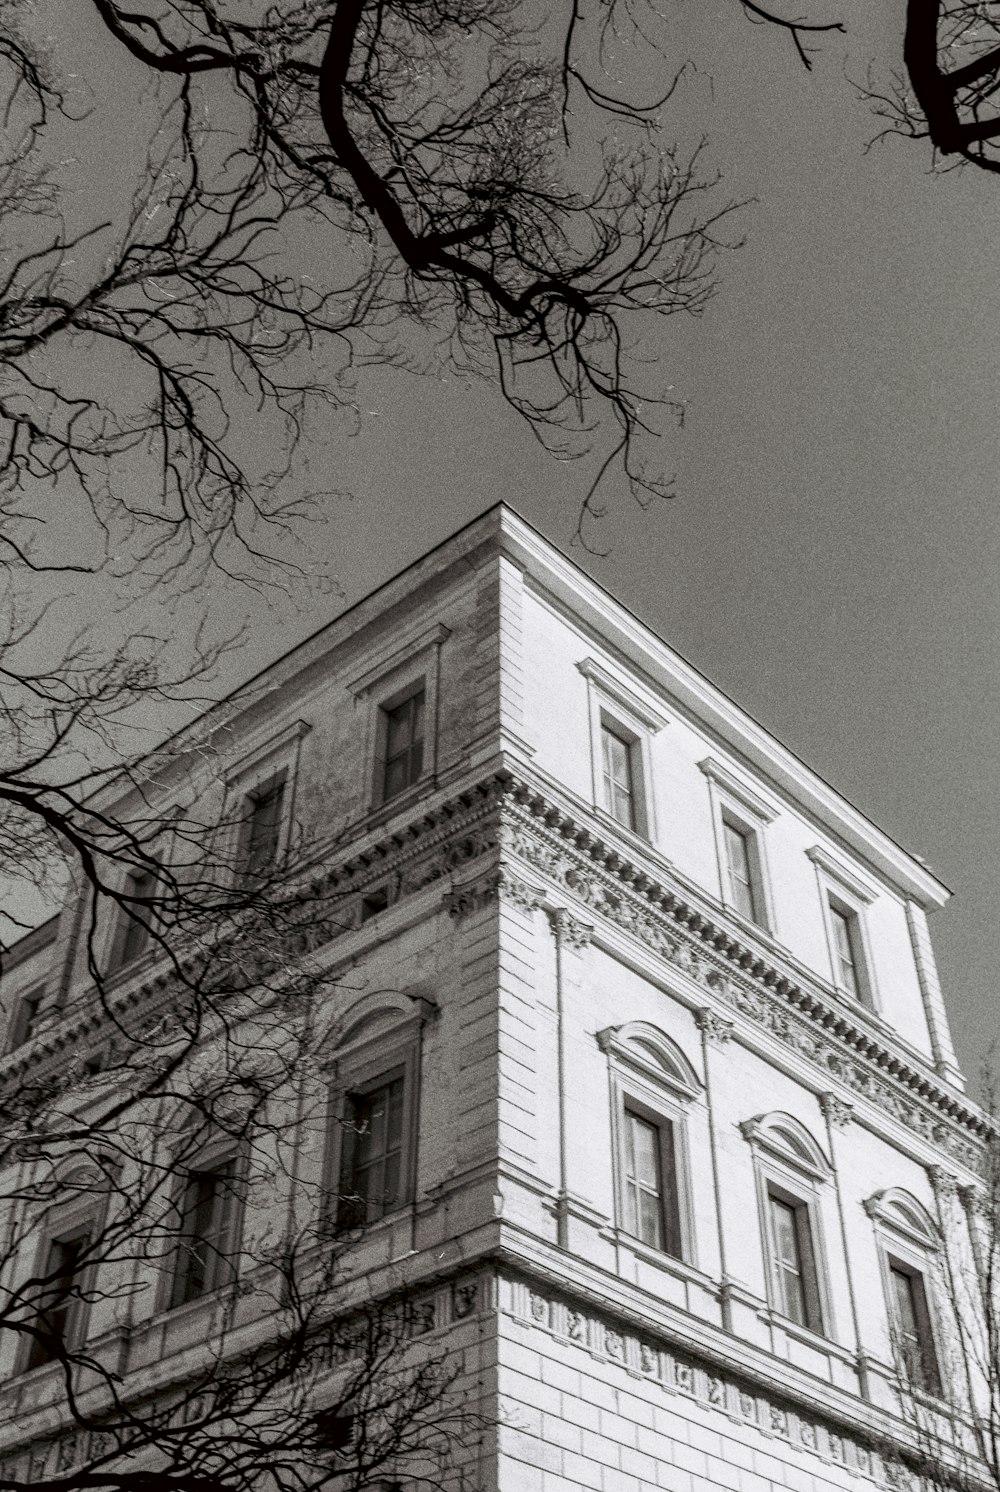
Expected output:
{"points": [[505, 815], [642, 901]]}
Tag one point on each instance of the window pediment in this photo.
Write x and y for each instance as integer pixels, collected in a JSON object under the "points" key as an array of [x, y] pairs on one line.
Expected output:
{"points": [[649, 1050], [899, 1211], [786, 1139]]}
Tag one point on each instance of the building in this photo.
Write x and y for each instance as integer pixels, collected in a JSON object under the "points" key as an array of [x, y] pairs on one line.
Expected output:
{"points": [[646, 1072]]}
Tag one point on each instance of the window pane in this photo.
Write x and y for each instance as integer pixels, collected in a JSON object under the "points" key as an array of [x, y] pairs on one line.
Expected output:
{"points": [[844, 946], [404, 745], [133, 934], [263, 820], [62, 1265], [913, 1329], [371, 1162], [204, 1258], [618, 785], [740, 880], [791, 1297], [643, 1196]]}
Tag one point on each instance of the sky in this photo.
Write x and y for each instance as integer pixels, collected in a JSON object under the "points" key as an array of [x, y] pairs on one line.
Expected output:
{"points": [[830, 558]]}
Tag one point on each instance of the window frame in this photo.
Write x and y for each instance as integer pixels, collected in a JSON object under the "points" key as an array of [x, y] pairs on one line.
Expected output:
{"points": [[735, 804], [66, 1223], [20, 1031], [930, 1383], [846, 893], [273, 784], [380, 1042], [277, 755], [790, 1167], [416, 689], [908, 1239], [627, 710], [213, 1155], [140, 880], [649, 1076], [388, 684]]}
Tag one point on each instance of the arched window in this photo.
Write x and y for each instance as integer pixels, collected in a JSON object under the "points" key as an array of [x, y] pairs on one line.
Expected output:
{"points": [[791, 1170], [372, 1152], [652, 1085], [908, 1240]]}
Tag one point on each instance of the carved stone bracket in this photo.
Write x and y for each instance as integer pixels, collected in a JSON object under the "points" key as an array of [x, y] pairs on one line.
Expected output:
{"points": [[715, 1026], [838, 1110], [570, 930], [945, 1184]]}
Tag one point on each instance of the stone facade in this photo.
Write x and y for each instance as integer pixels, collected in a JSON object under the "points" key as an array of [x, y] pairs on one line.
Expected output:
{"points": [[577, 979]]}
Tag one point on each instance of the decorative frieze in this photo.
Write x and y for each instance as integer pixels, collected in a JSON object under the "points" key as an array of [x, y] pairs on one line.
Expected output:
{"points": [[838, 1110], [712, 957], [487, 836], [679, 1373]]}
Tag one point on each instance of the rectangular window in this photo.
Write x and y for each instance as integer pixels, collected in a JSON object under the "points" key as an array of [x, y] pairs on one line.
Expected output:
{"points": [[915, 1339], [132, 935], [739, 852], [619, 777], [403, 726], [206, 1248], [651, 1206], [846, 950], [793, 1266], [22, 1026], [262, 825], [59, 1319], [371, 1157]]}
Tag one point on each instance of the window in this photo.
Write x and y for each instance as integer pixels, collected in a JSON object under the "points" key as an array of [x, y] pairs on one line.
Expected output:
{"points": [[847, 960], [741, 880], [652, 1083], [371, 1162], [209, 1219], [844, 896], [791, 1173], [371, 1157], [740, 816], [22, 1025], [908, 1240], [403, 729], [792, 1262], [132, 935], [619, 776], [60, 1318], [624, 717], [262, 821], [651, 1211], [912, 1324]]}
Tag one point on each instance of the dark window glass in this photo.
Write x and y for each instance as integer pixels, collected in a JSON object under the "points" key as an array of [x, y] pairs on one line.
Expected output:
{"points": [[404, 745], [22, 1026], [371, 1171], [262, 825], [205, 1253], [740, 875], [133, 932], [619, 787], [796, 1295], [651, 1209], [913, 1328], [59, 1298], [845, 946]]}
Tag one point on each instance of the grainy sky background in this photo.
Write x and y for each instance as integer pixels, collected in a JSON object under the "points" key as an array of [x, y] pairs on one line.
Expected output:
{"points": [[831, 556]]}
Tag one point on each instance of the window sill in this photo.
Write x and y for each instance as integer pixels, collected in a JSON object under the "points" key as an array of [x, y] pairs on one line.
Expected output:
{"points": [[379, 813], [806, 1335], [680, 1268]]}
